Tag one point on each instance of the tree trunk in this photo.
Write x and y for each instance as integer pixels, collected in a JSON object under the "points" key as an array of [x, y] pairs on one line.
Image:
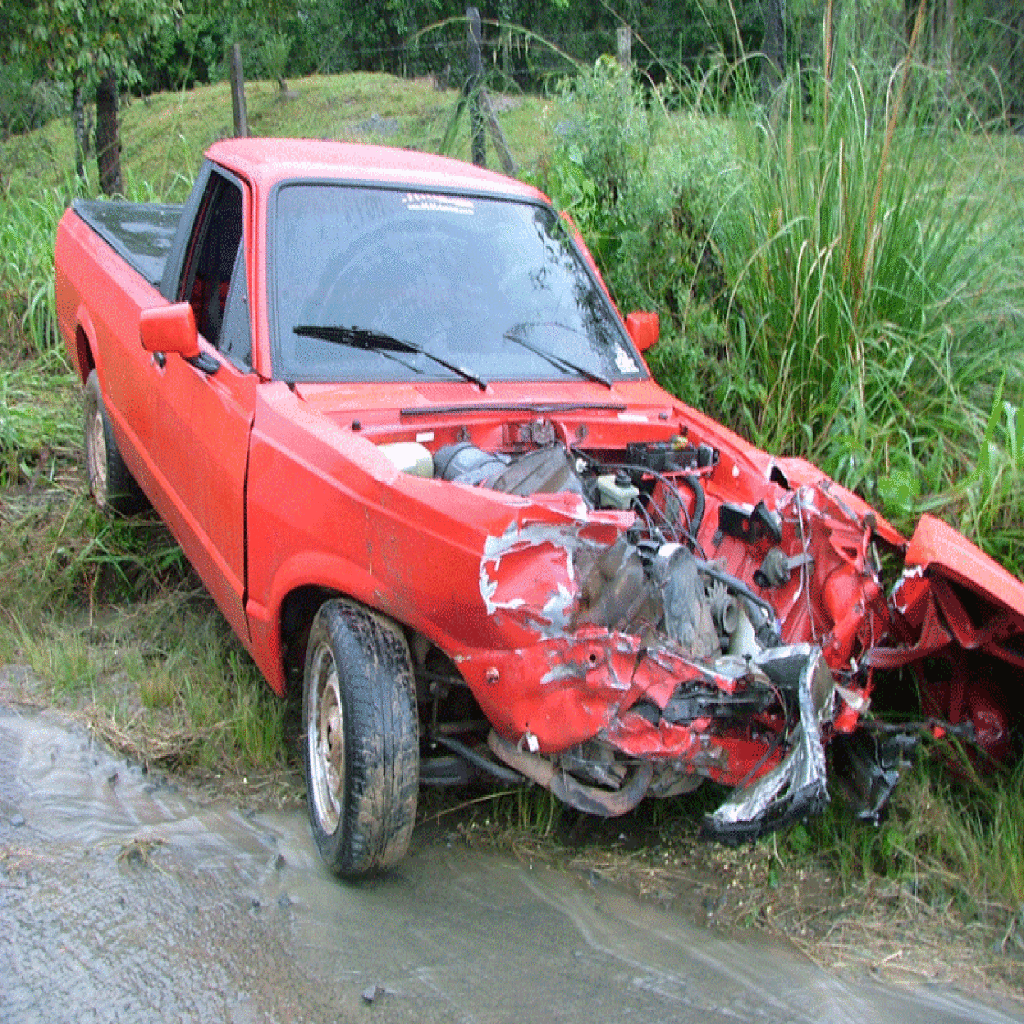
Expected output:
{"points": [[773, 13], [478, 129], [108, 137]]}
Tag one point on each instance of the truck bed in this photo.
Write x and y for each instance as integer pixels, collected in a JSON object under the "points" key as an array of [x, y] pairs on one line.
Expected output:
{"points": [[141, 233]]}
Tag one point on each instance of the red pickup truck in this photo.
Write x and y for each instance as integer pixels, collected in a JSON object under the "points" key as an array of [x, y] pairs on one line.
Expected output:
{"points": [[385, 404]]}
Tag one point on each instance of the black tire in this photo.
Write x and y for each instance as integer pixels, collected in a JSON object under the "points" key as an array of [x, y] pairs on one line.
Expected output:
{"points": [[110, 483], [361, 739]]}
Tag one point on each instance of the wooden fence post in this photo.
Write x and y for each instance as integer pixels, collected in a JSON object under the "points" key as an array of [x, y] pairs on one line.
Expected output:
{"points": [[473, 86], [241, 118], [624, 39]]}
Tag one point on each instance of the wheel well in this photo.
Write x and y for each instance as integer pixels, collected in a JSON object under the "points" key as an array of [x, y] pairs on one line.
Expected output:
{"points": [[297, 611], [441, 691], [86, 362]]}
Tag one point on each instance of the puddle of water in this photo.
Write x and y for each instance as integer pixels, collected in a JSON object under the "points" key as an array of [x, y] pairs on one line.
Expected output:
{"points": [[123, 898]]}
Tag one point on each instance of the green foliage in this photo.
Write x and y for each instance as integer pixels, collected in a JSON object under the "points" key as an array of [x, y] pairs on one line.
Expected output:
{"points": [[25, 101], [274, 52], [881, 291], [349, 36], [607, 135], [192, 50], [645, 190], [79, 41]]}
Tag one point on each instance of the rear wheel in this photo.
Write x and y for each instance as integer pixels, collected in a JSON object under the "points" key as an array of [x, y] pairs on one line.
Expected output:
{"points": [[361, 741], [111, 484]]}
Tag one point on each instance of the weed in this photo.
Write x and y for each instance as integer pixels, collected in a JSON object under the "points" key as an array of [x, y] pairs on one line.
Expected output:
{"points": [[871, 273]]}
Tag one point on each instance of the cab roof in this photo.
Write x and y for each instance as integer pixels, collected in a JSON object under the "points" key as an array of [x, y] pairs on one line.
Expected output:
{"points": [[266, 161]]}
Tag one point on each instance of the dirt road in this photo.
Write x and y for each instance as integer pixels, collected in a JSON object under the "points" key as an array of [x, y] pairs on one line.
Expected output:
{"points": [[125, 899]]}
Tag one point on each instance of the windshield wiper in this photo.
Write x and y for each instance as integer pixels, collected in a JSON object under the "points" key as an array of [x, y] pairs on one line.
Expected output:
{"points": [[559, 362], [385, 344]]}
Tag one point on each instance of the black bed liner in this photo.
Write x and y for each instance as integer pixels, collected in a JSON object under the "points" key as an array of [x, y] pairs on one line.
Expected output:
{"points": [[141, 233]]}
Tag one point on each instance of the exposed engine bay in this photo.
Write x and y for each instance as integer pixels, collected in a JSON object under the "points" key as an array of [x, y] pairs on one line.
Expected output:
{"points": [[665, 635]]}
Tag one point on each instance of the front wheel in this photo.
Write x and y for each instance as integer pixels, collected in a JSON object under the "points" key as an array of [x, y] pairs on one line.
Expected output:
{"points": [[361, 741]]}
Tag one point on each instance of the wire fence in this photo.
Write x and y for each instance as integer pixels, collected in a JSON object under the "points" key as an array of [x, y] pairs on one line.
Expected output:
{"points": [[684, 51], [511, 53]]}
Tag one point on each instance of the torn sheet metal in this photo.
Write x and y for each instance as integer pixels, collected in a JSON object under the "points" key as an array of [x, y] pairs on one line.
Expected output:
{"points": [[796, 787]]}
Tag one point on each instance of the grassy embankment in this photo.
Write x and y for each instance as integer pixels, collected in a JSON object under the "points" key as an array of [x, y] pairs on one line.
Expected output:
{"points": [[840, 280]]}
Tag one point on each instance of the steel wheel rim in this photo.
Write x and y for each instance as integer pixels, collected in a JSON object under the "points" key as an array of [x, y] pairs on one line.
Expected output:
{"points": [[97, 457], [325, 740]]}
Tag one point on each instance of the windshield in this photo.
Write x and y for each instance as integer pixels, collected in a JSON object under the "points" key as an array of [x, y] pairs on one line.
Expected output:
{"points": [[428, 281]]}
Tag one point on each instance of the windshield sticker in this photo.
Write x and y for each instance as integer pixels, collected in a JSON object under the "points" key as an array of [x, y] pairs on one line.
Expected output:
{"points": [[437, 203], [624, 362]]}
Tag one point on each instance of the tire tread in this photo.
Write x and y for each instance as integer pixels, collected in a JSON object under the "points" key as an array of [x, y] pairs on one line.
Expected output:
{"points": [[381, 740]]}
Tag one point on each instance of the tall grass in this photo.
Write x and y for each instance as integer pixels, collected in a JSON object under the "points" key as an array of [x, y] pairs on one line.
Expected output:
{"points": [[990, 495], [882, 291], [953, 841], [27, 224], [108, 614], [838, 271], [40, 421]]}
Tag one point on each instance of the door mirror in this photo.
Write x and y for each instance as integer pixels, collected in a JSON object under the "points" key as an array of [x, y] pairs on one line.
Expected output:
{"points": [[170, 329], [643, 328]]}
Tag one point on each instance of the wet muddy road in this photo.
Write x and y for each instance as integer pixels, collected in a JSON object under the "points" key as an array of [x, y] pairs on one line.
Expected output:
{"points": [[123, 899]]}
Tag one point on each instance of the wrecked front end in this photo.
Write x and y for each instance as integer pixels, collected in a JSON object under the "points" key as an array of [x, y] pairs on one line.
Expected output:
{"points": [[675, 614]]}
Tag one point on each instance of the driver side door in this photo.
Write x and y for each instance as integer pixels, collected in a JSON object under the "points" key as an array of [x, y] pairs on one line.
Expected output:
{"points": [[200, 431]]}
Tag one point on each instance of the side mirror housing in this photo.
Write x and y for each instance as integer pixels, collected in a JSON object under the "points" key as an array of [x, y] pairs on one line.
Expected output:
{"points": [[643, 328], [170, 329]]}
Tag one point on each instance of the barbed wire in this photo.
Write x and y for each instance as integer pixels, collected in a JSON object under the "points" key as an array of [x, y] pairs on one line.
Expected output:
{"points": [[510, 52]]}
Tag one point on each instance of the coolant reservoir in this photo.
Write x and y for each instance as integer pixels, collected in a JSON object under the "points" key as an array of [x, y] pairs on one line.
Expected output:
{"points": [[616, 492], [410, 457]]}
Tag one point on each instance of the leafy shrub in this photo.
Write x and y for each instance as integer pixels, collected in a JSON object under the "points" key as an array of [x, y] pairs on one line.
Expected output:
{"points": [[647, 208], [26, 103]]}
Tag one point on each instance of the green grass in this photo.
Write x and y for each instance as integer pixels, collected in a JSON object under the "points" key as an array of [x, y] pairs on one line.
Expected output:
{"points": [[28, 217], [108, 615], [882, 294], [165, 135], [954, 840], [38, 424]]}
